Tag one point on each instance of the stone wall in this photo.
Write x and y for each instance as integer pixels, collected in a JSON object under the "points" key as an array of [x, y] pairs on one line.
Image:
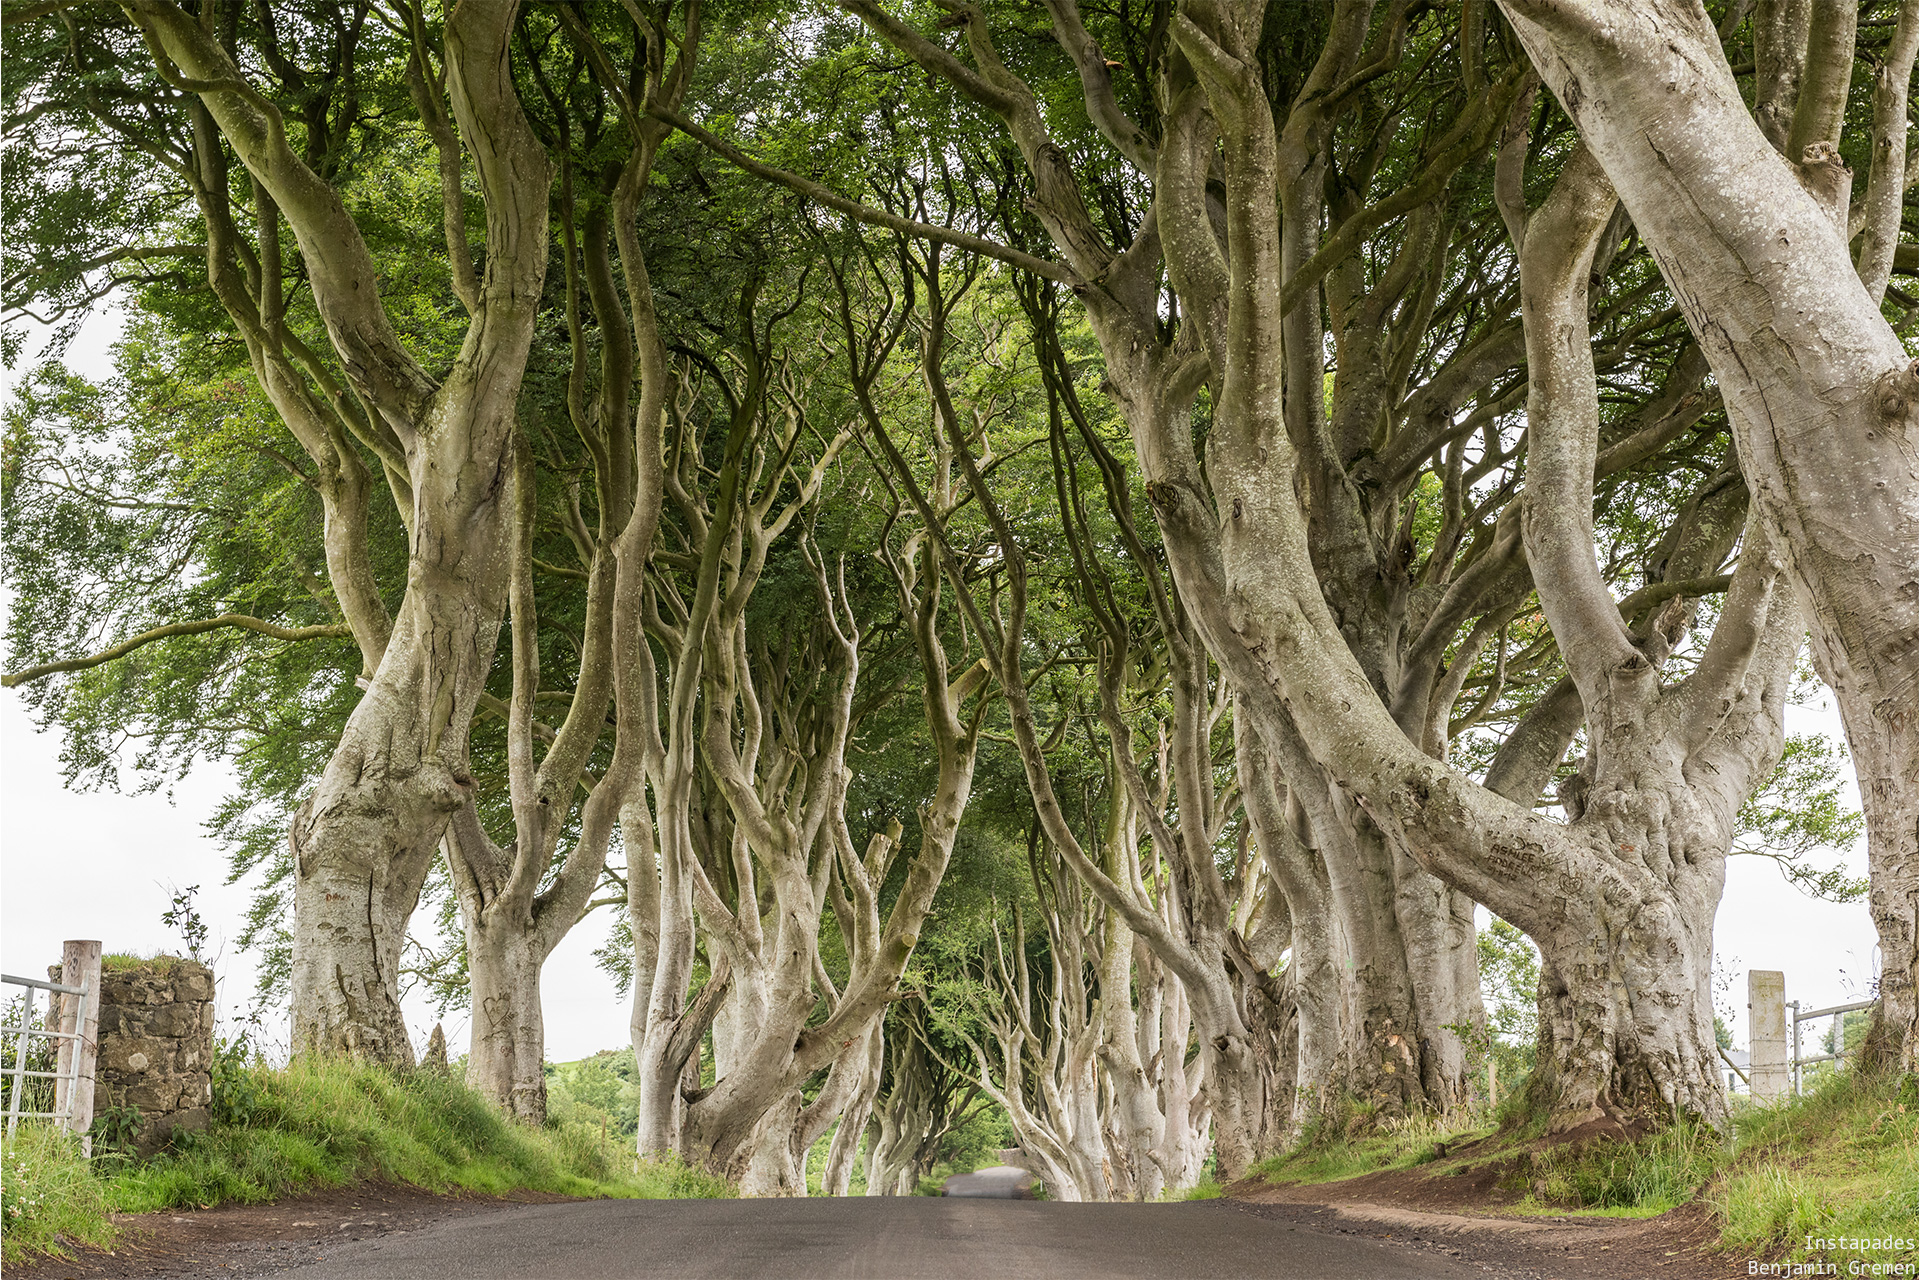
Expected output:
{"points": [[156, 1045]]}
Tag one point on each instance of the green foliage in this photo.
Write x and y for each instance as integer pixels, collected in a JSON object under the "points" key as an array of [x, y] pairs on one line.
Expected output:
{"points": [[114, 1131], [1503, 1054], [184, 917], [600, 1091], [49, 1197], [236, 1082], [1803, 812], [1509, 982]]}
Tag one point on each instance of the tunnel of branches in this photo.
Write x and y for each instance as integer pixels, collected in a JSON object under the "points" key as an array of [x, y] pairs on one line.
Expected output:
{"points": [[1171, 572]]}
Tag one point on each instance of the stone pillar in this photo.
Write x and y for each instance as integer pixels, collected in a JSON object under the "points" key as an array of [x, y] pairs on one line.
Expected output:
{"points": [[1767, 1033], [156, 1045]]}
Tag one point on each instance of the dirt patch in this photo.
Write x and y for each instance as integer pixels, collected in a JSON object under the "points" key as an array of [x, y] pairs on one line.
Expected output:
{"points": [[260, 1239], [1464, 1213]]}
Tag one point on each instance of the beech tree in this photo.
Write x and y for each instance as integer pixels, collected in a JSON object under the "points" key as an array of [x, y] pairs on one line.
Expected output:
{"points": [[364, 839], [1272, 473], [1239, 540], [1755, 246]]}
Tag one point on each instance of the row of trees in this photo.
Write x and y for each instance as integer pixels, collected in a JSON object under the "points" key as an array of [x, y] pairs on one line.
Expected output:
{"points": [[1042, 554]]}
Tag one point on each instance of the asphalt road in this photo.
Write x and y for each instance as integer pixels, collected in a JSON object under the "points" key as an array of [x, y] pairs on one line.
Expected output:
{"points": [[908, 1238], [1000, 1182]]}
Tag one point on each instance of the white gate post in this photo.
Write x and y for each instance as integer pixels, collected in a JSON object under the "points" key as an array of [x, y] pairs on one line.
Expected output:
{"points": [[74, 1070], [1767, 1033]]}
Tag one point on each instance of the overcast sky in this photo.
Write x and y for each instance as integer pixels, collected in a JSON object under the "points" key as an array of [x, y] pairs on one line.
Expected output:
{"points": [[103, 866]]}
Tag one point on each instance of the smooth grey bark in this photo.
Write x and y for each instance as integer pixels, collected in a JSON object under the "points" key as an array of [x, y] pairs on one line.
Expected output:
{"points": [[365, 837], [776, 971], [515, 904], [836, 1179], [1195, 938], [1820, 390], [1045, 1035], [1878, 212], [1410, 951], [1325, 994], [1274, 632], [921, 1100], [670, 1030], [1644, 780], [363, 841], [1154, 382], [773, 727]]}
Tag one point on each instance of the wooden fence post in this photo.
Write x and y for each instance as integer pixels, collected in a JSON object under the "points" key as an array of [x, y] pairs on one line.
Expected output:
{"points": [[74, 1068]]}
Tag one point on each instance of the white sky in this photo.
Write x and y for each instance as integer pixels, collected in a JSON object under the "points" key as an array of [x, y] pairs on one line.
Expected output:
{"points": [[103, 866]]}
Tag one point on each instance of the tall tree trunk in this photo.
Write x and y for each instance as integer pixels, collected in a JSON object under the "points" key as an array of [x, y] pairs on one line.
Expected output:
{"points": [[837, 1178], [506, 1057], [1137, 1117], [1321, 989], [362, 842], [1821, 392]]}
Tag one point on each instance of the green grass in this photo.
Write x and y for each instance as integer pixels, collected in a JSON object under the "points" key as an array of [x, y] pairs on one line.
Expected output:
{"points": [[316, 1124], [1836, 1164], [49, 1196], [1356, 1140], [1616, 1177], [160, 963]]}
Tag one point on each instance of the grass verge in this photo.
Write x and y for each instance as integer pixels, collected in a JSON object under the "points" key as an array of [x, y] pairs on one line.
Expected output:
{"points": [[1831, 1176], [1355, 1140], [1827, 1177], [49, 1196], [316, 1124], [1618, 1177]]}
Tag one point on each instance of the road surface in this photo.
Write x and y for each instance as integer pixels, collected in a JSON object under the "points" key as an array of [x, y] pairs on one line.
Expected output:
{"points": [[904, 1238], [1001, 1182]]}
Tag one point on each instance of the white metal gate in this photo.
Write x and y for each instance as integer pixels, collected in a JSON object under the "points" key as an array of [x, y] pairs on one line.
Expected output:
{"points": [[70, 1030]]}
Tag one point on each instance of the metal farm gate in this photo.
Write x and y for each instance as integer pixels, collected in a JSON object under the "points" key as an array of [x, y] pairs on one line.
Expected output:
{"points": [[67, 1039]]}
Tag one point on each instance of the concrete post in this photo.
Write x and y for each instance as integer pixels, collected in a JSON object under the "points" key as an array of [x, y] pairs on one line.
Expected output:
{"points": [[1767, 1033], [79, 966]]}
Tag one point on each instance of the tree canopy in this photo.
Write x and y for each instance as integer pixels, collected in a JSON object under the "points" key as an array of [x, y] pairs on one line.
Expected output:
{"points": [[1036, 556]]}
